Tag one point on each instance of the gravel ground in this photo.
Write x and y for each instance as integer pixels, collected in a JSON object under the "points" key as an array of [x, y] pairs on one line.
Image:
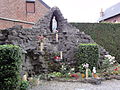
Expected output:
{"points": [[54, 85]]}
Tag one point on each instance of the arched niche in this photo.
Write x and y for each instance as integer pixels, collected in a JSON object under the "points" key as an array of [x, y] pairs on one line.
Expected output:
{"points": [[57, 18]]}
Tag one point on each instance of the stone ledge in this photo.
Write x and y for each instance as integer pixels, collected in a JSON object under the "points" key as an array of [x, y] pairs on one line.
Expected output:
{"points": [[93, 81], [89, 80]]}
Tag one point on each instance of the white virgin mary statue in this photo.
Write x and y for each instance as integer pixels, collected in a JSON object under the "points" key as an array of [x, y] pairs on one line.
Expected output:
{"points": [[54, 25]]}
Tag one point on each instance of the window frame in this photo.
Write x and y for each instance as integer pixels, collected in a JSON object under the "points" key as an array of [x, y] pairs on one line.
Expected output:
{"points": [[27, 7]]}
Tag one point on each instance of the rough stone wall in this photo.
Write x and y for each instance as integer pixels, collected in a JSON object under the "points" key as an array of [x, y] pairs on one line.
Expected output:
{"points": [[26, 39], [34, 60], [69, 36]]}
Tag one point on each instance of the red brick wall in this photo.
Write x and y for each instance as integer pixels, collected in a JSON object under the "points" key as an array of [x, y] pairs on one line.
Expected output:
{"points": [[8, 24], [113, 19], [16, 9]]}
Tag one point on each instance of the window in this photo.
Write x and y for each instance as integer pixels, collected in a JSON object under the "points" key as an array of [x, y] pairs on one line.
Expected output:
{"points": [[30, 6], [115, 21]]}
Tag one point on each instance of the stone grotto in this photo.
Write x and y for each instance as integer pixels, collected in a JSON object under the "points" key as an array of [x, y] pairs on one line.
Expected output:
{"points": [[42, 34]]}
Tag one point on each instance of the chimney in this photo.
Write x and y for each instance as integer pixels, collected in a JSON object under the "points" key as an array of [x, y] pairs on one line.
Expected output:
{"points": [[101, 13]]}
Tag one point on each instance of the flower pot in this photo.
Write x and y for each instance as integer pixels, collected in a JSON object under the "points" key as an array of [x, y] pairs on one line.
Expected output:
{"points": [[83, 75]]}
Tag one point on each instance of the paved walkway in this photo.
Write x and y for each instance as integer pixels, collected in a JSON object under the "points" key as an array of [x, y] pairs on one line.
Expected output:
{"points": [[54, 85]]}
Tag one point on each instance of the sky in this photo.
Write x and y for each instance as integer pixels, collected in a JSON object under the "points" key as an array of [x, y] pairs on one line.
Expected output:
{"points": [[81, 10]]}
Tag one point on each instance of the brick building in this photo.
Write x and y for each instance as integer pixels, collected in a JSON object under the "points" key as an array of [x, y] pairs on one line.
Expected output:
{"points": [[111, 14], [21, 12]]}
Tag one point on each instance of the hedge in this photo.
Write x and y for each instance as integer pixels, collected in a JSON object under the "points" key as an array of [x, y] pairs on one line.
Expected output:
{"points": [[87, 53], [10, 60], [105, 34]]}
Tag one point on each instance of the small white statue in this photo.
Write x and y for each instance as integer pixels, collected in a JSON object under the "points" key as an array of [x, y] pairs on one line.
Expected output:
{"points": [[94, 70], [24, 77], [94, 73], [54, 25]]}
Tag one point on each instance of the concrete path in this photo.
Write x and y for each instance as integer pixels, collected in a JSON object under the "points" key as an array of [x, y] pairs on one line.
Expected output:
{"points": [[54, 85]]}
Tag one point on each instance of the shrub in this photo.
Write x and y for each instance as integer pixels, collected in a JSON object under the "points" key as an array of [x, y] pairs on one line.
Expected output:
{"points": [[87, 53], [106, 35], [10, 59], [55, 74], [24, 85]]}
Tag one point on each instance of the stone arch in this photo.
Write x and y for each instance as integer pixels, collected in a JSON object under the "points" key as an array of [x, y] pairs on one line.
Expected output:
{"points": [[56, 17], [59, 18], [44, 24]]}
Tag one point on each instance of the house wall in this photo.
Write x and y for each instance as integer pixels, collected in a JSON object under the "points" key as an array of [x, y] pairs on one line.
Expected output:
{"points": [[113, 19], [16, 9], [8, 24]]}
